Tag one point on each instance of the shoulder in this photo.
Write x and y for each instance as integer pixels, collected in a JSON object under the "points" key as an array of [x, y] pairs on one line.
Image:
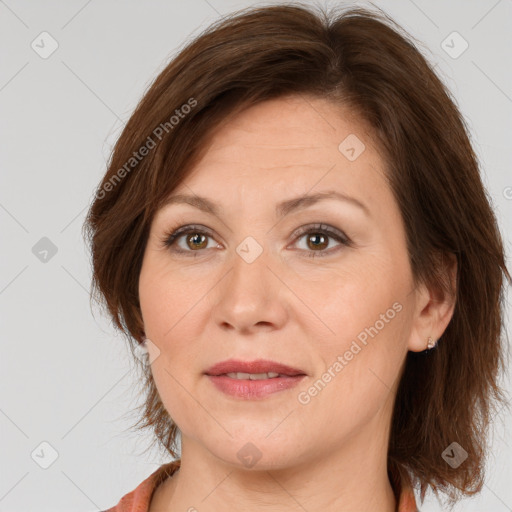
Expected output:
{"points": [[407, 501], [139, 499]]}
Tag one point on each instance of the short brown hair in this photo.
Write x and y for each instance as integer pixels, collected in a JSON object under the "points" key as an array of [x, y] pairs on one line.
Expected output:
{"points": [[363, 60]]}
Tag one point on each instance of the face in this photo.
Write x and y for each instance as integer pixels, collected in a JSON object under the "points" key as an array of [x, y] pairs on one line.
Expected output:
{"points": [[323, 286]]}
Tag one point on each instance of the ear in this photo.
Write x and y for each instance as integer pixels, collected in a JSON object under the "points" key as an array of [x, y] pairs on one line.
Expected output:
{"points": [[435, 304]]}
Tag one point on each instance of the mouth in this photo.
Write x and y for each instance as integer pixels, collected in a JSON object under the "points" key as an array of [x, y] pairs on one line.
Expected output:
{"points": [[254, 376], [253, 379], [258, 369]]}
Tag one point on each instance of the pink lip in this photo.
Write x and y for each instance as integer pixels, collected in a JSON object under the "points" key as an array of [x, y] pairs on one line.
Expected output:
{"points": [[258, 366], [250, 389]]}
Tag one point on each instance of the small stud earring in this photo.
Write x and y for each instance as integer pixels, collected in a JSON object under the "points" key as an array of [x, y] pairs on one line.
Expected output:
{"points": [[431, 343]]}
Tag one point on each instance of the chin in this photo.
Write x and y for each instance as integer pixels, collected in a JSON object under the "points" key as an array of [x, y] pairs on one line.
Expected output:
{"points": [[256, 452]]}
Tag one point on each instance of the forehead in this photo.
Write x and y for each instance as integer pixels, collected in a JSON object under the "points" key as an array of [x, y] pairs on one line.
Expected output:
{"points": [[284, 148], [288, 131]]}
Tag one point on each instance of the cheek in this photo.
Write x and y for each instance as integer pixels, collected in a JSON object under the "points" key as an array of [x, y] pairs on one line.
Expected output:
{"points": [[175, 370], [165, 321], [168, 295], [360, 370], [168, 301], [366, 311], [350, 297]]}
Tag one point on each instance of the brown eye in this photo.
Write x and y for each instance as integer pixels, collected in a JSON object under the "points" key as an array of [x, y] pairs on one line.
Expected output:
{"points": [[318, 237], [197, 241], [317, 241]]}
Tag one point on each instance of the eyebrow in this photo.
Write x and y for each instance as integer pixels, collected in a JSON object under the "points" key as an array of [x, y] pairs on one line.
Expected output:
{"points": [[282, 209]]}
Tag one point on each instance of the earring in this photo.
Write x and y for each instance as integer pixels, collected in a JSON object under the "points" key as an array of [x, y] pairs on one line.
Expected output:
{"points": [[431, 343]]}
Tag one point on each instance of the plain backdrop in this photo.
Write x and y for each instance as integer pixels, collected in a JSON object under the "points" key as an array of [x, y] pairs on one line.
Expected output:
{"points": [[71, 74]]}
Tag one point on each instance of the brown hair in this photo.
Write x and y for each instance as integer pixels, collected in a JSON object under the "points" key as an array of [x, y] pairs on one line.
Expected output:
{"points": [[363, 60]]}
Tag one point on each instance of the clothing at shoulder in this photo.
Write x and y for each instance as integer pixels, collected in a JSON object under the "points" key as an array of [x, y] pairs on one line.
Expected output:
{"points": [[139, 499], [407, 501]]}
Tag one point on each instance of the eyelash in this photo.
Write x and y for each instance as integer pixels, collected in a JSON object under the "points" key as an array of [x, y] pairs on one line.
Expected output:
{"points": [[171, 237]]}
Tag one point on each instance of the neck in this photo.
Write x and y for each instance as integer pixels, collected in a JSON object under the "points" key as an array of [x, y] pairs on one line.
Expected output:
{"points": [[351, 478]]}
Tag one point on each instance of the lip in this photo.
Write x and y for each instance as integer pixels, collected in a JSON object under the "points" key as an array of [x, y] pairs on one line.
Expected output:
{"points": [[253, 389], [257, 366]]}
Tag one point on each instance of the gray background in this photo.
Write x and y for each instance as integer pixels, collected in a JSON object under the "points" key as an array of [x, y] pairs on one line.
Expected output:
{"points": [[67, 379]]}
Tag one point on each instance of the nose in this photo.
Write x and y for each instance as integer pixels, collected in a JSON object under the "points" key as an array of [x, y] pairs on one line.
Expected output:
{"points": [[250, 297]]}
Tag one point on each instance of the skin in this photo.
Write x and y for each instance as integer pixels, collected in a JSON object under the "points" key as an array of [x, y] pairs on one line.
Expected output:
{"points": [[329, 454]]}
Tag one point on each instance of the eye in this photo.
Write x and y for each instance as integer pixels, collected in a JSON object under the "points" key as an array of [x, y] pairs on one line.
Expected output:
{"points": [[195, 238], [317, 237]]}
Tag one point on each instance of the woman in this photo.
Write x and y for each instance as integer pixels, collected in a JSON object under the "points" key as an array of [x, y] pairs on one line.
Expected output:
{"points": [[293, 228]]}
